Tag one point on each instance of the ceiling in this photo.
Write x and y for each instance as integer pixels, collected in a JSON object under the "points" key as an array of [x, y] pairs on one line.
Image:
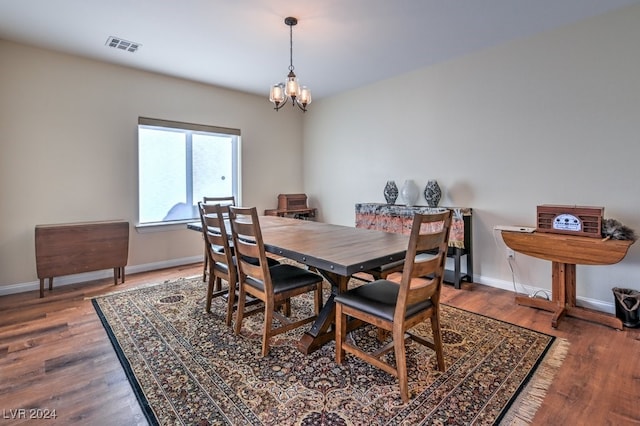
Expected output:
{"points": [[244, 44]]}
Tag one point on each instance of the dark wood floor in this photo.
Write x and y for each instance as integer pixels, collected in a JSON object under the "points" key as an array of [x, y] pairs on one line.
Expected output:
{"points": [[55, 355]]}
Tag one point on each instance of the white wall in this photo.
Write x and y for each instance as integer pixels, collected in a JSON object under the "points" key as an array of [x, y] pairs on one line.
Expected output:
{"points": [[551, 119], [68, 150]]}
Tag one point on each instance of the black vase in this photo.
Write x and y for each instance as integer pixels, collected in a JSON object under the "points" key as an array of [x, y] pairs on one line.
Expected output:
{"points": [[432, 193], [391, 192]]}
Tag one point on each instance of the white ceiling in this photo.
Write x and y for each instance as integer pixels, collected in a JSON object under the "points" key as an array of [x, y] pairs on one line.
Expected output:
{"points": [[244, 44]]}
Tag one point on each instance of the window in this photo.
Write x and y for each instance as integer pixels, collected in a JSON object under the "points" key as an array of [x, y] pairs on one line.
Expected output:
{"points": [[178, 164]]}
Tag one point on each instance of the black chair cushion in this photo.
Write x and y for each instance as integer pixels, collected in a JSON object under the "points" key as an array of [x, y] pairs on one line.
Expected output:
{"points": [[287, 277], [254, 261], [221, 267], [379, 298]]}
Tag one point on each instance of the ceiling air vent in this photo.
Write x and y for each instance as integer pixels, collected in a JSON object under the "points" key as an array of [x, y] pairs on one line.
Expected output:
{"points": [[122, 44]]}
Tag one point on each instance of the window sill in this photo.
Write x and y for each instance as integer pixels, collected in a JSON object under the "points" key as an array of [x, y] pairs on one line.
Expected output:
{"points": [[144, 228]]}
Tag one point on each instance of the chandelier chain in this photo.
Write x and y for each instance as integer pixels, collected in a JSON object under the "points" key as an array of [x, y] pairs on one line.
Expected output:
{"points": [[291, 67]]}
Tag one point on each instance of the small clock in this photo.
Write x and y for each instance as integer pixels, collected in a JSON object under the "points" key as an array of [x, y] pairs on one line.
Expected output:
{"points": [[567, 222]]}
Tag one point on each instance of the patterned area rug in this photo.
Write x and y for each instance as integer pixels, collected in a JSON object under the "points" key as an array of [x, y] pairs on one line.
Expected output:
{"points": [[187, 367]]}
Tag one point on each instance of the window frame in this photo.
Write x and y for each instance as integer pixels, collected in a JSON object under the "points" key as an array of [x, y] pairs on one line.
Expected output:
{"points": [[196, 128]]}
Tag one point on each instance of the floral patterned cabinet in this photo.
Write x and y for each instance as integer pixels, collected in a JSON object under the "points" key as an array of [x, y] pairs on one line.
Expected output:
{"points": [[398, 218]]}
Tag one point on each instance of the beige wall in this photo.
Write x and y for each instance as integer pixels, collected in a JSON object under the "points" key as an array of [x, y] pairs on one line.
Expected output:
{"points": [[68, 150], [550, 119]]}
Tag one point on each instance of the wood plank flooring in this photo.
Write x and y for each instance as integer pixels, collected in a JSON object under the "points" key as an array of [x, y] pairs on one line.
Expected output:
{"points": [[55, 355]]}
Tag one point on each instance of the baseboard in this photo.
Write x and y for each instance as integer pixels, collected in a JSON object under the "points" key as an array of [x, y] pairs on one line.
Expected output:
{"points": [[595, 304], [97, 275]]}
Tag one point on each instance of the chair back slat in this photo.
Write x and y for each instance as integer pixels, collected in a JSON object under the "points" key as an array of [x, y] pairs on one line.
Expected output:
{"points": [[426, 267], [427, 235]]}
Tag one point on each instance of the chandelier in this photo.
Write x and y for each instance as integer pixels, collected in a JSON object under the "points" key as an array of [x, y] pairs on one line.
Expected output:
{"points": [[282, 92]]}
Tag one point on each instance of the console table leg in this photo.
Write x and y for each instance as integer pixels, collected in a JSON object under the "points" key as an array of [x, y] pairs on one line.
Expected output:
{"points": [[456, 268], [559, 275], [469, 264], [595, 316], [570, 285], [534, 302], [557, 315]]}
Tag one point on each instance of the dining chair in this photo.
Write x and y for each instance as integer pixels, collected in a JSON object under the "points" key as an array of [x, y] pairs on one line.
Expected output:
{"points": [[219, 255], [223, 201], [275, 285], [222, 261], [397, 307]]}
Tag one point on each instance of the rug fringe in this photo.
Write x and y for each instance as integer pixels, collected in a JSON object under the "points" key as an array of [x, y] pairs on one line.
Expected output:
{"points": [[524, 408]]}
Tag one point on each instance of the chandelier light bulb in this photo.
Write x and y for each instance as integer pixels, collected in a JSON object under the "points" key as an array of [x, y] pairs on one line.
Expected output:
{"points": [[277, 95], [305, 96], [292, 88]]}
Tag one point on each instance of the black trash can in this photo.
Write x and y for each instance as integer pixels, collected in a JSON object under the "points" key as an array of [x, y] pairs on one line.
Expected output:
{"points": [[627, 306]]}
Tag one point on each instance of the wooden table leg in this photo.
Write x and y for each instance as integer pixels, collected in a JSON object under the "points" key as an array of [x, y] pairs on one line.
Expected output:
{"points": [[323, 330], [595, 316], [563, 301], [320, 332], [570, 285], [534, 302], [559, 281]]}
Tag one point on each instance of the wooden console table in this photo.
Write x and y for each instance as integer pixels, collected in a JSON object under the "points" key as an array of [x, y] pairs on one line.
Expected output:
{"points": [[398, 218], [565, 252], [72, 248]]}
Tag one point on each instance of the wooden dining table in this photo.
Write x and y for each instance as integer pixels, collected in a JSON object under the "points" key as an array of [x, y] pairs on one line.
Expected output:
{"points": [[337, 252]]}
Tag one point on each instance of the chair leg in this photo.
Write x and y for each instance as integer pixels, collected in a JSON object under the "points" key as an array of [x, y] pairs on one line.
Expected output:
{"points": [[381, 334], [205, 265], [266, 331], [230, 302], [437, 340], [401, 363], [341, 329], [286, 308], [218, 284], [240, 310], [210, 293]]}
